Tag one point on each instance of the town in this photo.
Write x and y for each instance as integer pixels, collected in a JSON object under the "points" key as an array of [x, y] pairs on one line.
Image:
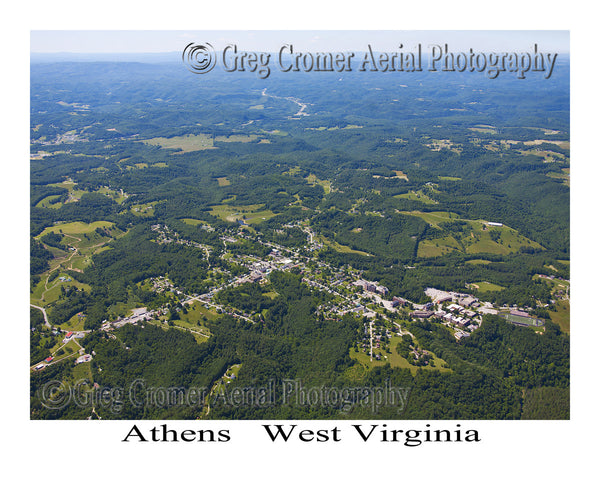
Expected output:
{"points": [[383, 315]]}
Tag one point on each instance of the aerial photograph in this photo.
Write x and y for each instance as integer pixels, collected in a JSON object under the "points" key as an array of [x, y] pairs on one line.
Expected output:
{"points": [[306, 225]]}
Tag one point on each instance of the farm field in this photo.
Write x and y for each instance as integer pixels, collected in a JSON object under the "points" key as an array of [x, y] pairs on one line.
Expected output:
{"points": [[418, 196], [185, 143], [340, 248], [143, 209], [433, 218], [477, 237], [249, 214], [437, 247], [76, 228]]}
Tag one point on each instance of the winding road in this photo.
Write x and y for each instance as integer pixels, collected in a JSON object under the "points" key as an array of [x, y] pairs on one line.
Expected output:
{"points": [[46, 322]]}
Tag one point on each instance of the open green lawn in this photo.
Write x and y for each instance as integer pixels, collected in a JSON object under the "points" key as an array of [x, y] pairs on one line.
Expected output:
{"points": [[197, 312], [250, 214], [81, 262], [418, 196], [116, 196], [479, 261], [63, 350], [487, 287], [51, 291], [186, 143], [477, 239], [340, 248], [76, 194], [557, 284], [510, 240], [194, 221], [433, 218], [437, 247], [48, 202], [450, 179], [394, 359], [83, 371], [75, 228], [143, 209], [68, 282], [75, 324], [562, 316]]}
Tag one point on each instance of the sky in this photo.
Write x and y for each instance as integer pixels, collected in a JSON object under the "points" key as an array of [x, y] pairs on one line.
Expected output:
{"points": [[154, 41]]}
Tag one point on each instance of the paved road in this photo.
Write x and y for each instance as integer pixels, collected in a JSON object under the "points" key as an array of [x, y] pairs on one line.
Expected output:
{"points": [[44, 312]]}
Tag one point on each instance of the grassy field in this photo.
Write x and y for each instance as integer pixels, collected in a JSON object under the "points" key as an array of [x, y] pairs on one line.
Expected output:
{"points": [[236, 138], [185, 143], [565, 176], [82, 242], [487, 287], [195, 321], [398, 174], [118, 197], [313, 180], [510, 240], [143, 209], [250, 214], [450, 179], [82, 371], [562, 316], [484, 129], [198, 317], [75, 228], [194, 221], [64, 350], [53, 291], [401, 175], [223, 181], [340, 248], [477, 239], [437, 247], [394, 359], [75, 194], [418, 196], [75, 323], [48, 202], [566, 145], [479, 261], [433, 218]]}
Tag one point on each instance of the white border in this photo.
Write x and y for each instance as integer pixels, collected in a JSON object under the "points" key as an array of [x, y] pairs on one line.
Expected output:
{"points": [[546, 449]]}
